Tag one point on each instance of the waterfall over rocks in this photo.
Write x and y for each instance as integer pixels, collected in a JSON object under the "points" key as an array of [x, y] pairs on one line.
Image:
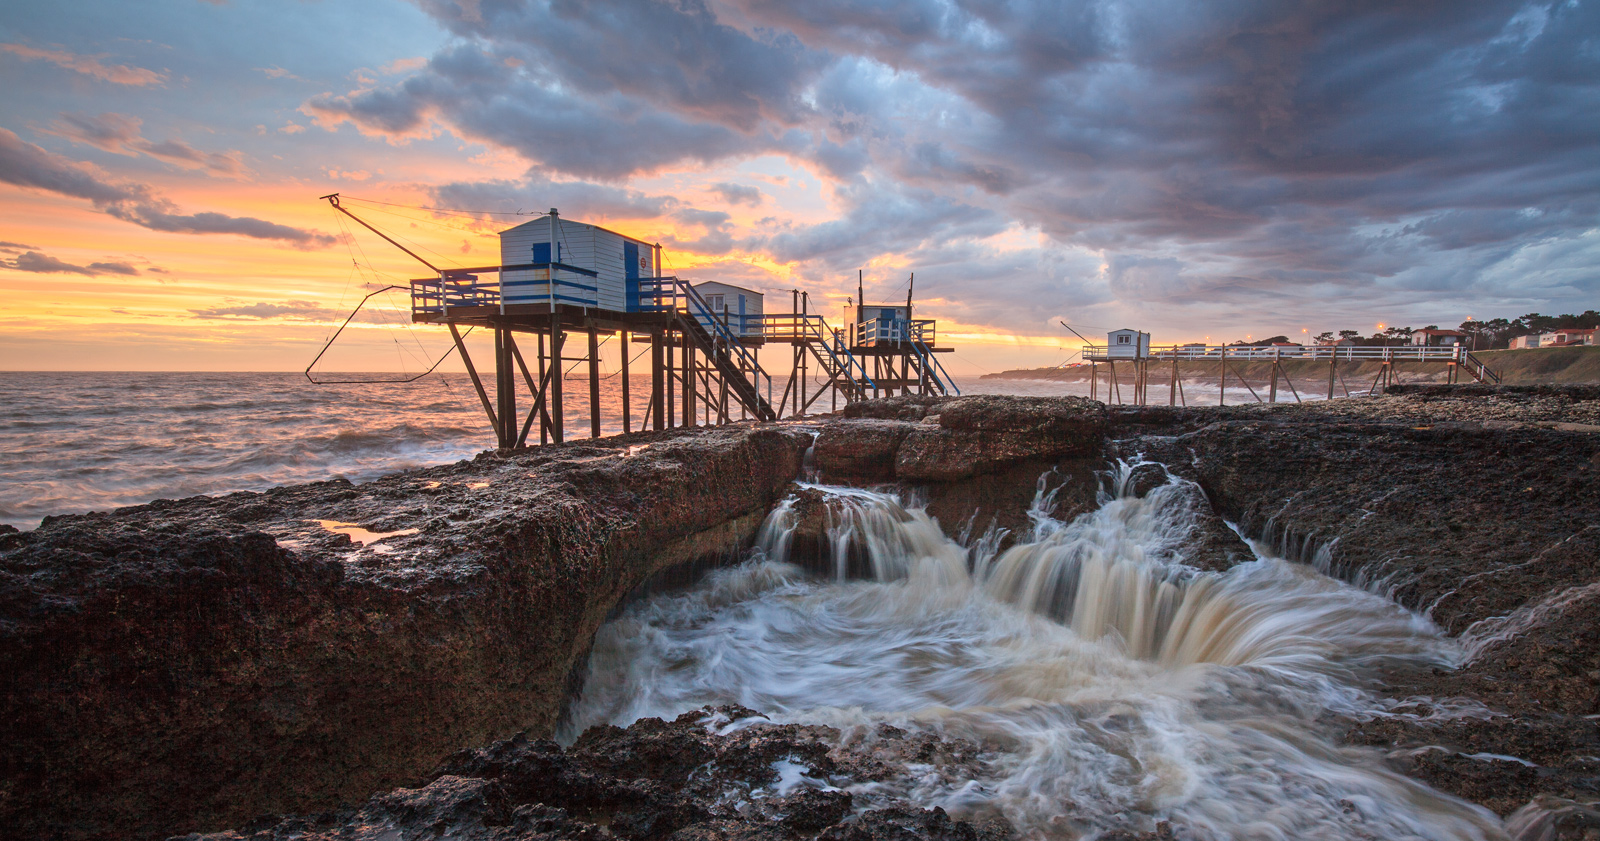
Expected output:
{"points": [[1112, 685]]}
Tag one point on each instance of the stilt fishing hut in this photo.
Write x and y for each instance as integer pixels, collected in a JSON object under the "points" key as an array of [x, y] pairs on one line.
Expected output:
{"points": [[560, 280]]}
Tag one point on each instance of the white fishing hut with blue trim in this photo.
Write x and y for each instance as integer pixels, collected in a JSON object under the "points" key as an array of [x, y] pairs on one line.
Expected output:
{"points": [[590, 266], [739, 308]]}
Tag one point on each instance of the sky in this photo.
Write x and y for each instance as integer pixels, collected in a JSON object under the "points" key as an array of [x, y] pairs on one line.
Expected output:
{"points": [[1200, 170]]}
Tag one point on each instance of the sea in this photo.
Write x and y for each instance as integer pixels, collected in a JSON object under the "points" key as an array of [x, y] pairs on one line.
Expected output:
{"points": [[72, 442]]}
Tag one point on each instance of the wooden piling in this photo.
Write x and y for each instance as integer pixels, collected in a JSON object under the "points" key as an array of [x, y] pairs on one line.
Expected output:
{"points": [[1222, 380], [558, 409], [658, 399], [689, 389], [594, 381], [627, 407]]}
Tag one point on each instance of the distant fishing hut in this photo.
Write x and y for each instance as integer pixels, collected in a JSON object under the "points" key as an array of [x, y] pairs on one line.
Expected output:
{"points": [[740, 309], [902, 349], [559, 277]]}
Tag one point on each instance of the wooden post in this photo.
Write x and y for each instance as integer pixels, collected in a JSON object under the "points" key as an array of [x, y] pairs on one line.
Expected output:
{"points": [[627, 408], [1222, 381], [1172, 390], [668, 396], [658, 400], [1094, 380], [688, 382], [594, 381], [1333, 365], [1272, 393], [544, 411], [1116, 387], [472, 373], [558, 409]]}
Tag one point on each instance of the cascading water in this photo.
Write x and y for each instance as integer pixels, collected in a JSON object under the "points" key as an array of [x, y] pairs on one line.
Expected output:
{"points": [[1111, 685]]}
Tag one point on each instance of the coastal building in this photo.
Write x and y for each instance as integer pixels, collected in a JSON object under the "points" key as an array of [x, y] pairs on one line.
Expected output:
{"points": [[1127, 344], [1568, 337], [882, 323], [556, 260], [1434, 337], [738, 308]]}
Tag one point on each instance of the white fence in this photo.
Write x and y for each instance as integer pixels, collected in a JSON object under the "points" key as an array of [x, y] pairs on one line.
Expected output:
{"points": [[1404, 353]]}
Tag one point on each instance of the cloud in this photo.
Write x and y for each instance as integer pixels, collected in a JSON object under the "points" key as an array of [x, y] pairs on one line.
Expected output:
{"points": [[737, 193], [120, 134], [1214, 154], [26, 165], [535, 193], [120, 74], [287, 311], [276, 72], [33, 261]]}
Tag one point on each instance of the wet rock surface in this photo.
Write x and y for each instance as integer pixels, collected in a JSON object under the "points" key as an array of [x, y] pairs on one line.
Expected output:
{"points": [[187, 664], [947, 439], [184, 665], [718, 773]]}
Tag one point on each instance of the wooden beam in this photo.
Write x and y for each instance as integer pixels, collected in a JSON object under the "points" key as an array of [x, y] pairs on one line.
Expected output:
{"points": [[1222, 382], [657, 386], [558, 411], [627, 409], [688, 382], [472, 373], [594, 381], [544, 410]]}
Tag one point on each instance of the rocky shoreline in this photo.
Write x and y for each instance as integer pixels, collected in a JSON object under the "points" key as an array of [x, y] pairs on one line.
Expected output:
{"points": [[185, 666]]}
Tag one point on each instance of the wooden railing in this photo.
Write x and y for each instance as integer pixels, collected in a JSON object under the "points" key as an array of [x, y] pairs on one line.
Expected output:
{"points": [[489, 287]]}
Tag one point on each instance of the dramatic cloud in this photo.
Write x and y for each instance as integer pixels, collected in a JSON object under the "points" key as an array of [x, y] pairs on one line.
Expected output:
{"points": [[1214, 154], [120, 74], [33, 261], [27, 165], [120, 134], [536, 194]]}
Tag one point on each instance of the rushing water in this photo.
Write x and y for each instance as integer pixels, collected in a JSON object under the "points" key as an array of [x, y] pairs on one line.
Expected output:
{"points": [[1112, 685]]}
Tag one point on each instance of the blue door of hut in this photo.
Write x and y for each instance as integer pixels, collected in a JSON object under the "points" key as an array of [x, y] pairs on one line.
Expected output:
{"points": [[630, 267], [741, 315]]}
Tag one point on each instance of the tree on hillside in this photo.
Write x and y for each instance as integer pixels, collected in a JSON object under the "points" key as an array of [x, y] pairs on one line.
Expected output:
{"points": [[1323, 338]]}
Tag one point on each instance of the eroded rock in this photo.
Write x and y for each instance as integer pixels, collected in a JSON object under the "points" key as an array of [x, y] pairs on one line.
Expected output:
{"points": [[690, 778]]}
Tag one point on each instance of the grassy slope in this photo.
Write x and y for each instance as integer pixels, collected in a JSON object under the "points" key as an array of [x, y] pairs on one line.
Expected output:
{"points": [[1546, 365]]}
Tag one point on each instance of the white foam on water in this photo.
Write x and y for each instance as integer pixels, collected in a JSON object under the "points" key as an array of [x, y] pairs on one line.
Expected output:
{"points": [[1111, 685]]}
